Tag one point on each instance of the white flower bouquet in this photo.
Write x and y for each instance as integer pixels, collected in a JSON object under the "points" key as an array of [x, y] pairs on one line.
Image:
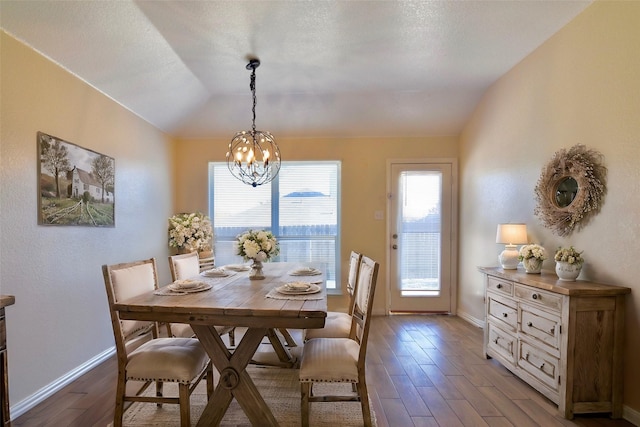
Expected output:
{"points": [[257, 245], [190, 231], [532, 251], [569, 255]]}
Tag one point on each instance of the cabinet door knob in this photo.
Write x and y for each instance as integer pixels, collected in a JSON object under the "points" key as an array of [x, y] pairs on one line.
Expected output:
{"points": [[496, 340], [542, 366], [529, 324], [553, 331], [535, 296], [505, 314], [499, 286]]}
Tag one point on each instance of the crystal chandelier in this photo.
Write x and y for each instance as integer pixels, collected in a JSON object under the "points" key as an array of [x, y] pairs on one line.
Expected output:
{"points": [[253, 156]]}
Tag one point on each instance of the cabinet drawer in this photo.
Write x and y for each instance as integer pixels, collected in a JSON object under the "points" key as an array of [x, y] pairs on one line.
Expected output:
{"points": [[503, 311], [536, 296], [540, 325], [542, 365], [502, 343], [500, 286]]}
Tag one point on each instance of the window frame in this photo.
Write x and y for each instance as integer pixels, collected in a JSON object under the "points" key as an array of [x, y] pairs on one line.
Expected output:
{"points": [[275, 208]]}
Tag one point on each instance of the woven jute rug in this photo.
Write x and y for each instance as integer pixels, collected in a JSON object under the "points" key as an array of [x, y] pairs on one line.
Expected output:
{"points": [[279, 387]]}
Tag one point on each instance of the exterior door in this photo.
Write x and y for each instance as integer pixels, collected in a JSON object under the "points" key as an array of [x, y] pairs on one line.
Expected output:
{"points": [[421, 229]]}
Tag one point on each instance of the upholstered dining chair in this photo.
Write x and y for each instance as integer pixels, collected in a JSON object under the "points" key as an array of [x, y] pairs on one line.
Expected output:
{"points": [[144, 357], [342, 359], [338, 324], [185, 266]]}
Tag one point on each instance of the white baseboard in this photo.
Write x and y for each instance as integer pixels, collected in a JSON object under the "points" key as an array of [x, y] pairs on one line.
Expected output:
{"points": [[631, 415], [47, 391], [475, 322]]}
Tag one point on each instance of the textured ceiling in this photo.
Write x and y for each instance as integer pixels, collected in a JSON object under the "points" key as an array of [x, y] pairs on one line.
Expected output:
{"points": [[329, 68]]}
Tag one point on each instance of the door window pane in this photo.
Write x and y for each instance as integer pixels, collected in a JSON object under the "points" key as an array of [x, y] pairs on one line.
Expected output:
{"points": [[420, 198]]}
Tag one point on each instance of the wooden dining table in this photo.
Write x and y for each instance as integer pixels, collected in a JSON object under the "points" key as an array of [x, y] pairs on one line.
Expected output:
{"points": [[236, 300]]}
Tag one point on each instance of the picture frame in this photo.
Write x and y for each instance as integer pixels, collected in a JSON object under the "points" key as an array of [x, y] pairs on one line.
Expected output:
{"points": [[75, 184]]}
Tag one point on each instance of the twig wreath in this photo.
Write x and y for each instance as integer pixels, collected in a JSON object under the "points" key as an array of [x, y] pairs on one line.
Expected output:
{"points": [[586, 168]]}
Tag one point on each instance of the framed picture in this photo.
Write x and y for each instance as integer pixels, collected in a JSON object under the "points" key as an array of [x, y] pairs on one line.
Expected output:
{"points": [[75, 185]]}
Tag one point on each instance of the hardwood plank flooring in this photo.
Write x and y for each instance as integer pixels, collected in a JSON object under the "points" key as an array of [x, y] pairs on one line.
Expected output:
{"points": [[422, 370]]}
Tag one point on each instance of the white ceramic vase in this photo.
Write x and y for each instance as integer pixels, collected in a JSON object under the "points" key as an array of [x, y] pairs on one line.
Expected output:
{"points": [[532, 265], [256, 270], [567, 272]]}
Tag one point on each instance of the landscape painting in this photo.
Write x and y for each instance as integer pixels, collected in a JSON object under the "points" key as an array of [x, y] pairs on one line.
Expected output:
{"points": [[75, 185]]}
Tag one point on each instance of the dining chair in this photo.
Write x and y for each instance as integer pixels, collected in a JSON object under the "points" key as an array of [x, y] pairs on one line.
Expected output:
{"points": [[185, 266], [342, 359], [142, 356], [338, 324]]}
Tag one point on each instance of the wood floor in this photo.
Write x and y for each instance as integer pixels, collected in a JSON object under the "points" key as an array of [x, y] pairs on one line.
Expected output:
{"points": [[422, 371]]}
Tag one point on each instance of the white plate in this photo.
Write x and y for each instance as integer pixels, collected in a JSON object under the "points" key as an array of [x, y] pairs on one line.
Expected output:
{"points": [[306, 271], [215, 272], [202, 287], [237, 267], [185, 284], [313, 289]]}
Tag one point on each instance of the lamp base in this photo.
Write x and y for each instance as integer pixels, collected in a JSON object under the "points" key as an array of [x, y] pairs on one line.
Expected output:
{"points": [[509, 257]]}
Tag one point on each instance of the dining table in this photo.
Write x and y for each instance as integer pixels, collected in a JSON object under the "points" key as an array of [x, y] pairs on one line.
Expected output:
{"points": [[286, 298]]}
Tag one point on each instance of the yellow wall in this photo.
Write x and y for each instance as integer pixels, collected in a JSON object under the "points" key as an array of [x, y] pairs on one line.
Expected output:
{"points": [[364, 163], [60, 319], [581, 86]]}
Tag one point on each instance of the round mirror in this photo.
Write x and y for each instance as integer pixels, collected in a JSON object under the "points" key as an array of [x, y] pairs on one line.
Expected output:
{"points": [[566, 191]]}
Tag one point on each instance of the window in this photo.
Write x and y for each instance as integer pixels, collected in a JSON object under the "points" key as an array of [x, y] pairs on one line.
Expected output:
{"points": [[300, 207]]}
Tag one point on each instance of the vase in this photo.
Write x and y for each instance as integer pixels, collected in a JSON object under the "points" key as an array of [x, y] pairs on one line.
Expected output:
{"points": [[532, 265], [256, 271], [567, 272]]}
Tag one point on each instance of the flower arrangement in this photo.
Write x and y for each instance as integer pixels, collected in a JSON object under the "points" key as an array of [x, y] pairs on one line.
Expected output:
{"points": [[569, 255], [257, 245], [532, 251], [190, 231]]}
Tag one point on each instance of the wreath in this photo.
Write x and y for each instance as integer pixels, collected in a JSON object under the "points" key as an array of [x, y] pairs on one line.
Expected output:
{"points": [[586, 167]]}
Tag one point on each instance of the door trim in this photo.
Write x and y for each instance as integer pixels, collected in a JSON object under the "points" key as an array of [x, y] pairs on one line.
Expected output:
{"points": [[454, 225]]}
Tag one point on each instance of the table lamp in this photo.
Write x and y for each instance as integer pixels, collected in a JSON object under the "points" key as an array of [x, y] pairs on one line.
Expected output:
{"points": [[510, 235]]}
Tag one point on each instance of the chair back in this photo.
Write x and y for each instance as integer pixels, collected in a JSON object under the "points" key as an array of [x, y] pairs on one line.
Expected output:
{"points": [[184, 266], [352, 280], [363, 302], [123, 281]]}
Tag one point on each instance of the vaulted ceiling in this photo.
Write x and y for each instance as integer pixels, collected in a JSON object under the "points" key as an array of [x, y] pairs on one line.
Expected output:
{"points": [[329, 68]]}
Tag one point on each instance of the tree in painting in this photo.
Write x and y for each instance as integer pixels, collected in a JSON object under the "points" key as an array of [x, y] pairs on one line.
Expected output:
{"points": [[54, 158], [103, 171]]}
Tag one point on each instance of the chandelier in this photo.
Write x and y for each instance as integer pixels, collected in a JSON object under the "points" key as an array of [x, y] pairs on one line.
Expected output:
{"points": [[253, 156]]}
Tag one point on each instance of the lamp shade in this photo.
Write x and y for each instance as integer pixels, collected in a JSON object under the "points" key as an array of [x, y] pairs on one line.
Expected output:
{"points": [[512, 234]]}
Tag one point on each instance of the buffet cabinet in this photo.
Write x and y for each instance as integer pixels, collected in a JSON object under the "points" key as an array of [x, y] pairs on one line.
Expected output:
{"points": [[565, 339], [5, 419]]}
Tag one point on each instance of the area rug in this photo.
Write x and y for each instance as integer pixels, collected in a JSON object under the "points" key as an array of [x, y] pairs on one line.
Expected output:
{"points": [[279, 387]]}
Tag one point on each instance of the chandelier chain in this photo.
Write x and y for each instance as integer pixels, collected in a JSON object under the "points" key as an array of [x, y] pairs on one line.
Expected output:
{"points": [[252, 85]]}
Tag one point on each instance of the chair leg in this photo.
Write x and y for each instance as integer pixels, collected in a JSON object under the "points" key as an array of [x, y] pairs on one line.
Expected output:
{"points": [[119, 410], [209, 381], [232, 338], [305, 390], [185, 405], [364, 402], [159, 385]]}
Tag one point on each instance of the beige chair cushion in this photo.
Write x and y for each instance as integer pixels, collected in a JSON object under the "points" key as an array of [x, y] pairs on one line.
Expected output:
{"points": [[128, 283], [336, 325], [187, 267], [167, 359], [329, 360]]}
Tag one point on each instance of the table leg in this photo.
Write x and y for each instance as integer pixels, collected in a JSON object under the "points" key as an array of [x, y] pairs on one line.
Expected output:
{"points": [[234, 379]]}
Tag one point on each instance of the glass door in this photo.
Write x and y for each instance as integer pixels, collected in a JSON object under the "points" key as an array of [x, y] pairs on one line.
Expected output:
{"points": [[421, 237]]}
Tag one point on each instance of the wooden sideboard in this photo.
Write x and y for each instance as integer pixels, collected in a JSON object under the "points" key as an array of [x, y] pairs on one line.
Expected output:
{"points": [[565, 339], [5, 419]]}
